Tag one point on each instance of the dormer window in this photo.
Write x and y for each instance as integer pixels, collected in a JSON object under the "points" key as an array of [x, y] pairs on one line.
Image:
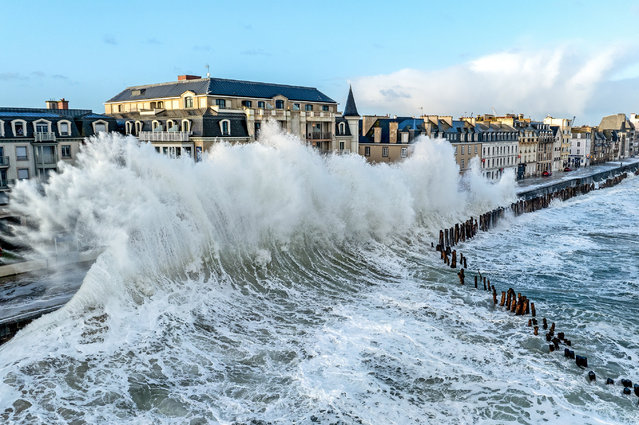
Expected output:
{"points": [[279, 104], [225, 127], [342, 128], [221, 103], [188, 102], [154, 105], [64, 128], [247, 103], [138, 127], [42, 127], [100, 127], [19, 128], [172, 126], [156, 126], [128, 127], [160, 104], [186, 125]]}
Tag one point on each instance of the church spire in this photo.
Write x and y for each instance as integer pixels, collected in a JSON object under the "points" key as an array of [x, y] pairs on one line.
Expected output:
{"points": [[351, 109]]}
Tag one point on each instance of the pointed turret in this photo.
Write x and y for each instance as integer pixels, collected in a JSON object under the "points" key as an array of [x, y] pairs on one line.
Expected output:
{"points": [[351, 109]]}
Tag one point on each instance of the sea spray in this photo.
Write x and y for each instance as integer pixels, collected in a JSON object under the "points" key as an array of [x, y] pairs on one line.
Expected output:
{"points": [[216, 278]]}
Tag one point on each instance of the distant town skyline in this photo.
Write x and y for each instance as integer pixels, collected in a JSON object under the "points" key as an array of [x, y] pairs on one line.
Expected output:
{"points": [[573, 58]]}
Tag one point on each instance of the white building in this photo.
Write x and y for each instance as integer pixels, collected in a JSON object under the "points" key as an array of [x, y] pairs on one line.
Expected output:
{"points": [[580, 146]]}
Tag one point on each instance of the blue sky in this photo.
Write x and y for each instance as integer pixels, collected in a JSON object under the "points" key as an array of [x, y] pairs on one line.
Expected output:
{"points": [[559, 57]]}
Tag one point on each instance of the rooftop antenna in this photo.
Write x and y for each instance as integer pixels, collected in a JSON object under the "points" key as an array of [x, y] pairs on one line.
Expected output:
{"points": [[208, 69]]}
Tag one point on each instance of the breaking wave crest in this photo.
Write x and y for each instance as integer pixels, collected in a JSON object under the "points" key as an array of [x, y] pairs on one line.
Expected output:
{"points": [[215, 278]]}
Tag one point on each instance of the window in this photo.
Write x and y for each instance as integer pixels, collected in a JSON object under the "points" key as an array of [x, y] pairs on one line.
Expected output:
{"points": [[21, 153], [188, 102], [462, 164], [154, 105], [119, 108], [261, 104], [225, 127], [341, 146], [138, 127], [172, 126], [42, 128], [66, 151], [279, 104], [247, 103], [308, 107], [23, 173], [462, 150], [221, 103], [99, 126], [475, 149], [578, 143], [186, 125], [342, 128], [160, 104], [403, 152], [385, 152], [156, 126], [257, 127], [296, 106], [367, 151], [325, 108], [64, 129]]}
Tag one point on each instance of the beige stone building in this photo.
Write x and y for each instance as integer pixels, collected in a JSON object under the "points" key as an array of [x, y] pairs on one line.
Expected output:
{"points": [[187, 116]]}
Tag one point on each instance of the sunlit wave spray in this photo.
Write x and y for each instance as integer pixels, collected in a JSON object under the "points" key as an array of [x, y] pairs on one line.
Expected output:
{"points": [[213, 275]]}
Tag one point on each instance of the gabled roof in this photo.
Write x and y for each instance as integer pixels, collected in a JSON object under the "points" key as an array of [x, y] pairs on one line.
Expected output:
{"points": [[221, 87], [350, 110]]}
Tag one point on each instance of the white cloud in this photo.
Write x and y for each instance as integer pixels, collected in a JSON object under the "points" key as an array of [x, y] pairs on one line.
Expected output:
{"points": [[560, 81]]}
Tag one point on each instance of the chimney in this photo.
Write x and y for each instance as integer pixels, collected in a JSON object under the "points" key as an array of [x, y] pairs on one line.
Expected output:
{"points": [[188, 77], [57, 104]]}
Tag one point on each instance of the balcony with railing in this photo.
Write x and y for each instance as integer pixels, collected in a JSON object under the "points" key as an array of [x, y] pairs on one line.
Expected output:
{"points": [[164, 136], [44, 137], [4, 161], [317, 135]]}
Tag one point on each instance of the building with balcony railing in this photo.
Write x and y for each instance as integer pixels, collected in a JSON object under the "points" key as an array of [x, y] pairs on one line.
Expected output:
{"points": [[195, 112], [33, 140]]}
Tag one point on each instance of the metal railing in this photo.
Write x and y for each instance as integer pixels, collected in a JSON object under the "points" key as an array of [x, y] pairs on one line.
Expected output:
{"points": [[164, 136], [44, 137], [4, 161], [319, 136]]}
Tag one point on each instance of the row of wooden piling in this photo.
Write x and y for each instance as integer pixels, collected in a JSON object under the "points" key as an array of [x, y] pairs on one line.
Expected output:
{"points": [[516, 303]]}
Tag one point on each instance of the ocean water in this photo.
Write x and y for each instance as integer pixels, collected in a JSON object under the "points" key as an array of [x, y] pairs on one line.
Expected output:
{"points": [[270, 284]]}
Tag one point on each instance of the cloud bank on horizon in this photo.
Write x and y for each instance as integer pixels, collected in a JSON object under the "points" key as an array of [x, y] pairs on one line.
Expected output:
{"points": [[559, 82]]}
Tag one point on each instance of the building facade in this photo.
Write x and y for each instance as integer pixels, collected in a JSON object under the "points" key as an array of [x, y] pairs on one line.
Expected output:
{"points": [[581, 146], [187, 116], [34, 140]]}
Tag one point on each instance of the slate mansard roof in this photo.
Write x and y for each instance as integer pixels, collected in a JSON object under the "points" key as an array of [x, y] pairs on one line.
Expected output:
{"points": [[80, 120], [221, 87]]}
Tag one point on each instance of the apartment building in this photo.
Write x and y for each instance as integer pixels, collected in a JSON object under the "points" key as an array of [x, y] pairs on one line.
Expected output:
{"points": [[387, 139], [581, 146], [34, 140], [561, 128], [187, 116], [625, 134], [500, 149], [461, 134]]}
